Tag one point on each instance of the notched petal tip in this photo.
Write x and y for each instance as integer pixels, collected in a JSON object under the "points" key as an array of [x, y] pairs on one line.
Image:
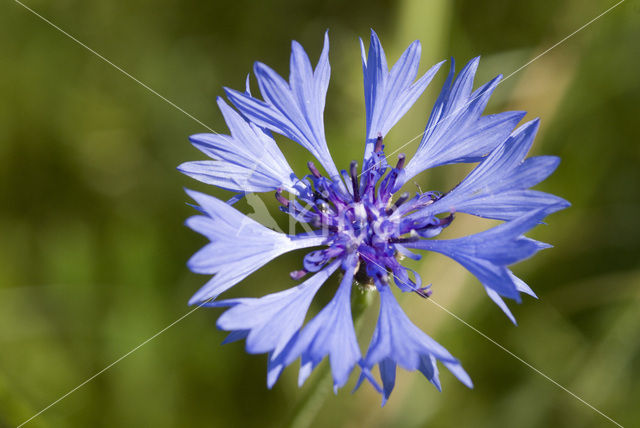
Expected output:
{"points": [[195, 195]]}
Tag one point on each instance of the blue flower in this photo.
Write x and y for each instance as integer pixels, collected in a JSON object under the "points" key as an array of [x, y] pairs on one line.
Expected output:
{"points": [[357, 222]]}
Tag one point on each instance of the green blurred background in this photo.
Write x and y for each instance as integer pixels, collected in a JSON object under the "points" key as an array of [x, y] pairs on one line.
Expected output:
{"points": [[93, 249]]}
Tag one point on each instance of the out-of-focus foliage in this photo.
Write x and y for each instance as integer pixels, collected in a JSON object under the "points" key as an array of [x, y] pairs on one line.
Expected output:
{"points": [[92, 246]]}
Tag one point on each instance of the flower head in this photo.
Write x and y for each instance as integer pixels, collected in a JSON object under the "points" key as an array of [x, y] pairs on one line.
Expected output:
{"points": [[359, 216]]}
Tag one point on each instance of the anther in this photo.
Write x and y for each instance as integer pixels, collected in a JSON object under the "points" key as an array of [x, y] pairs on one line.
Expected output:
{"points": [[411, 236], [401, 159], [424, 292], [354, 181], [378, 146], [401, 200], [323, 206], [313, 169]]}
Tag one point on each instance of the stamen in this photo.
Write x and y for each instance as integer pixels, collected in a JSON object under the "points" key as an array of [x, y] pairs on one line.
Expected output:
{"points": [[378, 147], [412, 237], [354, 181], [401, 200], [444, 222], [284, 201], [401, 159], [424, 292], [313, 169]]}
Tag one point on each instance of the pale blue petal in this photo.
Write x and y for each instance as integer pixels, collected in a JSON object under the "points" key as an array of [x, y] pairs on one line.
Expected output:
{"points": [[520, 285], [508, 205], [275, 366], [457, 370], [331, 333], [429, 369], [235, 336], [234, 177], [294, 109], [457, 131], [486, 254], [389, 95], [501, 304], [388, 376], [271, 321], [498, 187], [248, 160], [397, 341], [239, 245]]}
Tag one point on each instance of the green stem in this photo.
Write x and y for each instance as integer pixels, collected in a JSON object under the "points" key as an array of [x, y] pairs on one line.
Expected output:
{"points": [[310, 404]]}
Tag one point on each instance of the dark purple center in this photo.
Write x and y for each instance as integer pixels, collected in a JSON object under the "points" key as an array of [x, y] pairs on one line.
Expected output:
{"points": [[357, 213]]}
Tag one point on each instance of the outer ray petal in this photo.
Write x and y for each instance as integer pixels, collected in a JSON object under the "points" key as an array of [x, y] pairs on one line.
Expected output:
{"points": [[457, 131], [248, 160], [294, 109], [271, 321], [397, 341], [239, 245], [487, 254], [497, 187], [331, 333], [389, 95]]}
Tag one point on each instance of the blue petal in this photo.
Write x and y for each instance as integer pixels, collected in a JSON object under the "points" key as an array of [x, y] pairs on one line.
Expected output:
{"points": [[294, 109], [457, 131], [501, 304], [272, 320], [510, 204], [459, 373], [275, 366], [396, 340], [429, 369], [520, 286], [497, 187], [235, 198], [235, 336], [248, 160], [388, 376], [239, 245], [365, 373], [486, 254], [389, 95], [329, 333]]}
